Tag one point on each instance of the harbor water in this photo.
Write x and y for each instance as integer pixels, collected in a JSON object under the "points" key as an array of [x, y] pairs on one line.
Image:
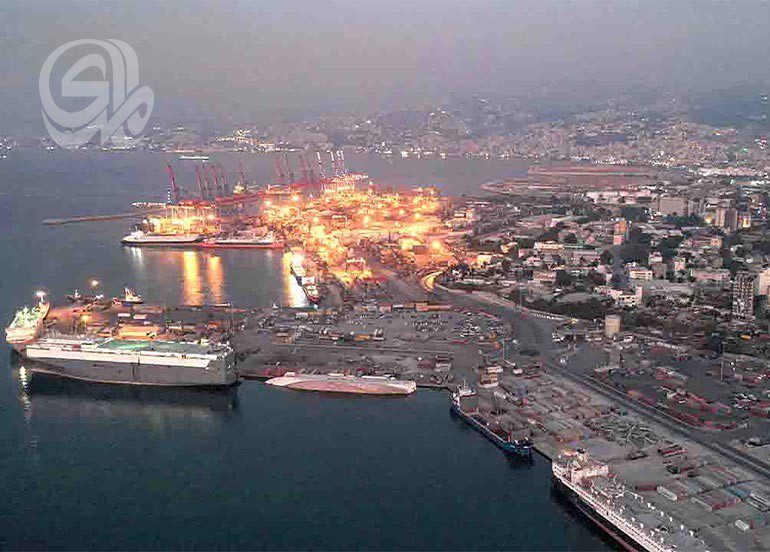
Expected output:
{"points": [[104, 467]]}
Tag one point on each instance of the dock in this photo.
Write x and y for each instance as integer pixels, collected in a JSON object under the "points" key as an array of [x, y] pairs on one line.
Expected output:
{"points": [[100, 218]]}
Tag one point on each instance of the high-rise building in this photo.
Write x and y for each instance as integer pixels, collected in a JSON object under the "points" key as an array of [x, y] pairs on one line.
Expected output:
{"points": [[743, 295]]}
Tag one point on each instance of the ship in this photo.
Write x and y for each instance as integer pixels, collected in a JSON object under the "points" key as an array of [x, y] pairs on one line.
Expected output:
{"points": [[142, 238], [136, 362], [520, 447], [26, 325], [203, 158], [341, 383], [312, 292], [622, 514], [243, 240], [298, 268], [130, 298]]}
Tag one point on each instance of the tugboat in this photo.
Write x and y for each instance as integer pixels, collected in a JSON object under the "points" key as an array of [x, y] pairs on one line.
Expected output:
{"points": [[521, 447]]}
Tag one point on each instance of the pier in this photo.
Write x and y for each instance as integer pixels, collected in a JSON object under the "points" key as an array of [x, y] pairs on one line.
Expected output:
{"points": [[100, 218]]}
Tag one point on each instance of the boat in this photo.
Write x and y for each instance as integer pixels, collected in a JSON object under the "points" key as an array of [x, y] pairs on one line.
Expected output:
{"points": [[26, 325], [193, 157], [130, 297], [133, 361], [142, 238], [244, 240], [75, 297], [79, 298], [341, 383], [298, 269], [502, 439], [312, 293], [624, 515]]}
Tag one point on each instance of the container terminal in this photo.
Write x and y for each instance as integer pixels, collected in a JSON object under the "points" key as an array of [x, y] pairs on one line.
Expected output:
{"points": [[395, 279]]}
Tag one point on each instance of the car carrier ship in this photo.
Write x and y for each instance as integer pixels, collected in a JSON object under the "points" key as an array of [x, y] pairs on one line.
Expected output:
{"points": [[138, 362], [122, 340]]}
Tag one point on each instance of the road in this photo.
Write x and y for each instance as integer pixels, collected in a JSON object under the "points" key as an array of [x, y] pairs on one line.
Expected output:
{"points": [[535, 332]]}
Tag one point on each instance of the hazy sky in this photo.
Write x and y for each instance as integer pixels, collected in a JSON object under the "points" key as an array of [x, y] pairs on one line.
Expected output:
{"points": [[260, 59]]}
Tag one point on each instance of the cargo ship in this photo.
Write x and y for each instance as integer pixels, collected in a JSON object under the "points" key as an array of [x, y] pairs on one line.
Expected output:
{"points": [[26, 325], [243, 240], [142, 238], [137, 362], [622, 514], [341, 383], [521, 447]]}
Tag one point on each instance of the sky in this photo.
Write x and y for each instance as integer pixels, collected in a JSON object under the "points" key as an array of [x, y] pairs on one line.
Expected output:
{"points": [[269, 60]]}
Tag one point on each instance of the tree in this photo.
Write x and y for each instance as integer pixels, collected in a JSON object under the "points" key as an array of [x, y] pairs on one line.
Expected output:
{"points": [[563, 278], [634, 253], [606, 257], [634, 214]]}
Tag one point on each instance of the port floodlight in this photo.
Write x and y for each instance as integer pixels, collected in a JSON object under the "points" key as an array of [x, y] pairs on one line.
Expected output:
{"points": [[40, 294], [94, 282]]}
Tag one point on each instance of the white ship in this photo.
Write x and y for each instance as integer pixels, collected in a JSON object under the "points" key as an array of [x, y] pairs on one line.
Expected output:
{"points": [[340, 383], [137, 362], [26, 325], [623, 514], [140, 237], [246, 240], [193, 157]]}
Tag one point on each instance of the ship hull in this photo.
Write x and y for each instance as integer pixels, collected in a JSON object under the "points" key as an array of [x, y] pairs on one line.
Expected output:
{"points": [[135, 373], [215, 245], [506, 446], [588, 513], [352, 386], [169, 243]]}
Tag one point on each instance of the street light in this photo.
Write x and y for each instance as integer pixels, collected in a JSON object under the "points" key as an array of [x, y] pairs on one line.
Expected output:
{"points": [[94, 282]]}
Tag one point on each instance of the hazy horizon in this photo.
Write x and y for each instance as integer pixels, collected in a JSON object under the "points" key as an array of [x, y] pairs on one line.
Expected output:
{"points": [[262, 61]]}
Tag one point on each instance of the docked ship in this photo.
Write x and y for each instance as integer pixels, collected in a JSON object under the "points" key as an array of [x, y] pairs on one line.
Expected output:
{"points": [[298, 268], [142, 238], [137, 362], [188, 157], [312, 292], [501, 438], [341, 383], [130, 298], [26, 325], [622, 514], [243, 240]]}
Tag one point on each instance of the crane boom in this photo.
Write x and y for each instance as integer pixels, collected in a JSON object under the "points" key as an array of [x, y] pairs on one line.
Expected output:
{"points": [[174, 187], [223, 180], [199, 181]]}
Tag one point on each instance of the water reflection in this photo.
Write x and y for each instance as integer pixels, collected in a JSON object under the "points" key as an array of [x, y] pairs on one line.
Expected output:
{"points": [[215, 278], [50, 399], [243, 277], [193, 285]]}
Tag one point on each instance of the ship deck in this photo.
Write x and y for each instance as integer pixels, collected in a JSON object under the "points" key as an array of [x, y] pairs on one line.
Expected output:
{"points": [[158, 346]]}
